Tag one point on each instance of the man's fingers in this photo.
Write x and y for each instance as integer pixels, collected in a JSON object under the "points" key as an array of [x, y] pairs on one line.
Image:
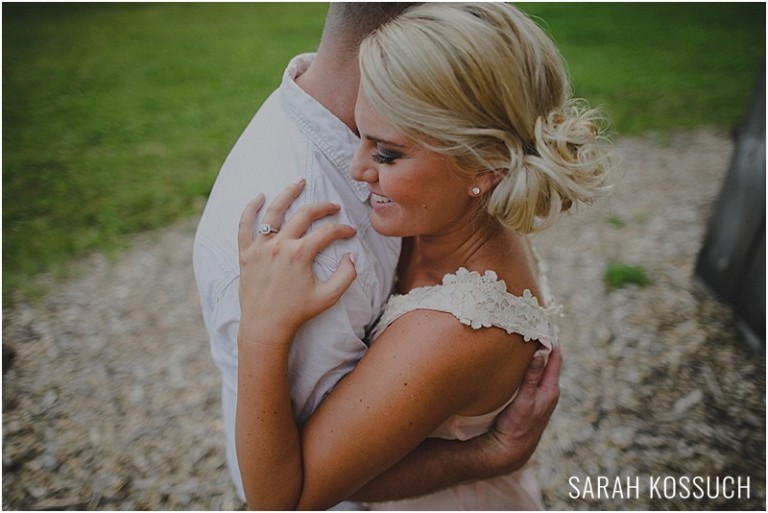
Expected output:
{"points": [[534, 373], [247, 219], [551, 376], [550, 380]]}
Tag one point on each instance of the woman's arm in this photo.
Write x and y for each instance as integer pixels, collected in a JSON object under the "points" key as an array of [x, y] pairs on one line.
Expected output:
{"points": [[424, 368], [421, 370], [273, 284], [436, 463]]}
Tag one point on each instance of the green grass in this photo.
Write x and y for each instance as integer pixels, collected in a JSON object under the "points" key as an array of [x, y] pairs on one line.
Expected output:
{"points": [[616, 222], [117, 117], [660, 66], [620, 275]]}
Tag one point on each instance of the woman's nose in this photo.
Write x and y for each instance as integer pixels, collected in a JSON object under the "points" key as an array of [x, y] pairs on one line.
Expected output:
{"points": [[361, 168]]}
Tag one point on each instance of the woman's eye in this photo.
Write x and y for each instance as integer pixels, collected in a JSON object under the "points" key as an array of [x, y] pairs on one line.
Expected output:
{"points": [[383, 157]]}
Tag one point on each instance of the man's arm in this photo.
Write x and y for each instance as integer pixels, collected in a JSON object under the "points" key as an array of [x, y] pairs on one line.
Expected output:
{"points": [[438, 464]]}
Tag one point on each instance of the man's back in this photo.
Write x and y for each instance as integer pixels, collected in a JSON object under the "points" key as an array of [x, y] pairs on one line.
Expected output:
{"points": [[291, 137]]}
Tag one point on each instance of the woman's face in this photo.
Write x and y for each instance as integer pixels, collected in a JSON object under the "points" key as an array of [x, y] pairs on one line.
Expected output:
{"points": [[414, 191]]}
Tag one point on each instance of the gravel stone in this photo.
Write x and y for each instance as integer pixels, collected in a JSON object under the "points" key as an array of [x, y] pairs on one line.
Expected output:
{"points": [[111, 400]]}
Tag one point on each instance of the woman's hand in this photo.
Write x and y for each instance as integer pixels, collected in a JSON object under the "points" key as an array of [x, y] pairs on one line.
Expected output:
{"points": [[279, 291]]}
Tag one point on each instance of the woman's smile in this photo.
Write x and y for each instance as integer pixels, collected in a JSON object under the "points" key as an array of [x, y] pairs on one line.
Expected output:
{"points": [[378, 200], [414, 191]]}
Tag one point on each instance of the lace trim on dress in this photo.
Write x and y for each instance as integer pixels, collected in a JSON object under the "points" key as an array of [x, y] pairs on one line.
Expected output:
{"points": [[478, 301]]}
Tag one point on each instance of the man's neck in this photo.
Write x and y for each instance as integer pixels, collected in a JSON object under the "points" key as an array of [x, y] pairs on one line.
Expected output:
{"points": [[334, 85]]}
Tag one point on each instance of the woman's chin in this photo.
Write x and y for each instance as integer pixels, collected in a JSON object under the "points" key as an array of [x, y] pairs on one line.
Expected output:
{"points": [[388, 233], [386, 229]]}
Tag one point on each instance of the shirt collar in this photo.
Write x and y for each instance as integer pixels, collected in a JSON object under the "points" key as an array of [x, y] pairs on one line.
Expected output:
{"points": [[326, 131]]}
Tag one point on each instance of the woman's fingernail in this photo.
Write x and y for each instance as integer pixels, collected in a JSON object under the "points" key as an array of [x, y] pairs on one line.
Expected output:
{"points": [[352, 258], [298, 181]]}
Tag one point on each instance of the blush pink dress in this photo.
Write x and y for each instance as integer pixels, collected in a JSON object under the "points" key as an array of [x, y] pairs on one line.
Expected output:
{"points": [[478, 301]]}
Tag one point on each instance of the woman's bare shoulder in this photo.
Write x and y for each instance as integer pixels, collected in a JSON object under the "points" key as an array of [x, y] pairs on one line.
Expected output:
{"points": [[482, 367]]}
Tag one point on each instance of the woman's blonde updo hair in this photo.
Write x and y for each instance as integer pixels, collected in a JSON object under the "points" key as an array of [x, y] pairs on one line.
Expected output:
{"points": [[482, 84]]}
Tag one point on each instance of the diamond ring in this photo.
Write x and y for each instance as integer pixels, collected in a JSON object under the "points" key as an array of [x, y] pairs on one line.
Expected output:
{"points": [[266, 229]]}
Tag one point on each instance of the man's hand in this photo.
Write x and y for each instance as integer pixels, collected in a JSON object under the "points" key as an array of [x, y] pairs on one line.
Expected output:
{"points": [[519, 427]]}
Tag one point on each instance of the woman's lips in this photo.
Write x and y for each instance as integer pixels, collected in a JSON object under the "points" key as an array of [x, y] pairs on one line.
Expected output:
{"points": [[378, 199]]}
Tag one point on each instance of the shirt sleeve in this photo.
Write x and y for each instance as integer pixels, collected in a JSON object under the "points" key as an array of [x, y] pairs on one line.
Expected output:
{"points": [[218, 289], [329, 346], [323, 351]]}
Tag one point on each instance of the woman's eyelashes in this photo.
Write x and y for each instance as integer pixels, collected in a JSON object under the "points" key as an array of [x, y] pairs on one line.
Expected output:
{"points": [[382, 159], [385, 157]]}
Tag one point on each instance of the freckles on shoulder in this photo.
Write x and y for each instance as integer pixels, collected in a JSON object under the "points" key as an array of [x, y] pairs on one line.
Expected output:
{"points": [[480, 369]]}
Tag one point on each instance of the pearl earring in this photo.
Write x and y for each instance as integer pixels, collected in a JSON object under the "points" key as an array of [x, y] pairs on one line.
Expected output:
{"points": [[476, 191]]}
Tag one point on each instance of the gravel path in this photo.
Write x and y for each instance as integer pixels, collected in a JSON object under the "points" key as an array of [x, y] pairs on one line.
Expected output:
{"points": [[110, 399]]}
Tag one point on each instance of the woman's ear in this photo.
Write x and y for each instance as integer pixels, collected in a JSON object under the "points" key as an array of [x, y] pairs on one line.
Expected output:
{"points": [[492, 178], [485, 182], [497, 175]]}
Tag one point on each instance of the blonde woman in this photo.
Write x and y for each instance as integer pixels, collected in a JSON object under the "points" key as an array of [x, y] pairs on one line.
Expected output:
{"points": [[469, 142]]}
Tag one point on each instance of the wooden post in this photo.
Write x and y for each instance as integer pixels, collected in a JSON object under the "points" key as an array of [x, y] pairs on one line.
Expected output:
{"points": [[731, 262]]}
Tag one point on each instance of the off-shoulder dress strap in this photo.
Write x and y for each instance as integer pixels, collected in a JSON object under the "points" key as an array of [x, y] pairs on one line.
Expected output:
{"points": [[478, 301]]}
